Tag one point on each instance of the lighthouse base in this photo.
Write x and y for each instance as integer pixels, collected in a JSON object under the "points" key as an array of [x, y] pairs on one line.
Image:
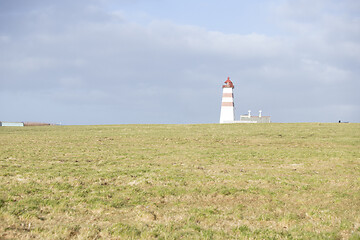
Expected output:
{"points": [[227, 114]]}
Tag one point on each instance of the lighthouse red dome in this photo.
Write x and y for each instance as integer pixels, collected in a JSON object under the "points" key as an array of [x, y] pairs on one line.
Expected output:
{"points": [[229, 83]]}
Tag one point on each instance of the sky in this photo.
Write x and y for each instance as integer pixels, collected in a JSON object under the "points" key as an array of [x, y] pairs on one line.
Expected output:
{"points": [[164, 61]]}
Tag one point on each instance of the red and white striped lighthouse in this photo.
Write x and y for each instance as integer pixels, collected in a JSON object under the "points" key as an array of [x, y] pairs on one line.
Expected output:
{"points": [[227, 113]]}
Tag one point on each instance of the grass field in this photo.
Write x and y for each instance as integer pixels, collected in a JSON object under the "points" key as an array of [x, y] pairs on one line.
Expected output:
{"points": [[211, 181]]}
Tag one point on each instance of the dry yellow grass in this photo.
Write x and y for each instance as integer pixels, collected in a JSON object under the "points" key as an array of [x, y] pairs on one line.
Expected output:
{"points": [[245, 181]]}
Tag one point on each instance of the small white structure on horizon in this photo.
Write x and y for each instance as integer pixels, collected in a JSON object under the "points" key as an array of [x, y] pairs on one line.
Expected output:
{"points": [[254, 119], [227, 112], [11, 124]]}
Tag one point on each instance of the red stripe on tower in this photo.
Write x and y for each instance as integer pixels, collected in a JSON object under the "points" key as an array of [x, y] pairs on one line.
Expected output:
{"points": [[227, 104]]}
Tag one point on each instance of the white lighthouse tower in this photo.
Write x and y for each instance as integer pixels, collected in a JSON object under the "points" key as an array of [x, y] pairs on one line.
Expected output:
{"points": [[227, 114]]}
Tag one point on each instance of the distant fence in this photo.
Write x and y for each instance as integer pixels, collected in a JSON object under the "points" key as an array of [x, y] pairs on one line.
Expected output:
{"points": [[31, 124]]}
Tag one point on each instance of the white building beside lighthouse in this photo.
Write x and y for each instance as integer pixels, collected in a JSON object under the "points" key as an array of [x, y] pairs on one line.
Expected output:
{"points": [[227, 113]]}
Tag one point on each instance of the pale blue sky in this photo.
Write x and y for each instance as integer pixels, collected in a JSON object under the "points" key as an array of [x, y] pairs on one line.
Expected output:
{"points": [[237, 17], [157, 61]]}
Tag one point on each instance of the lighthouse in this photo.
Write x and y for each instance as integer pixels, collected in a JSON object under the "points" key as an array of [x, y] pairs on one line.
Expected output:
{"points": [[227, 114]]}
